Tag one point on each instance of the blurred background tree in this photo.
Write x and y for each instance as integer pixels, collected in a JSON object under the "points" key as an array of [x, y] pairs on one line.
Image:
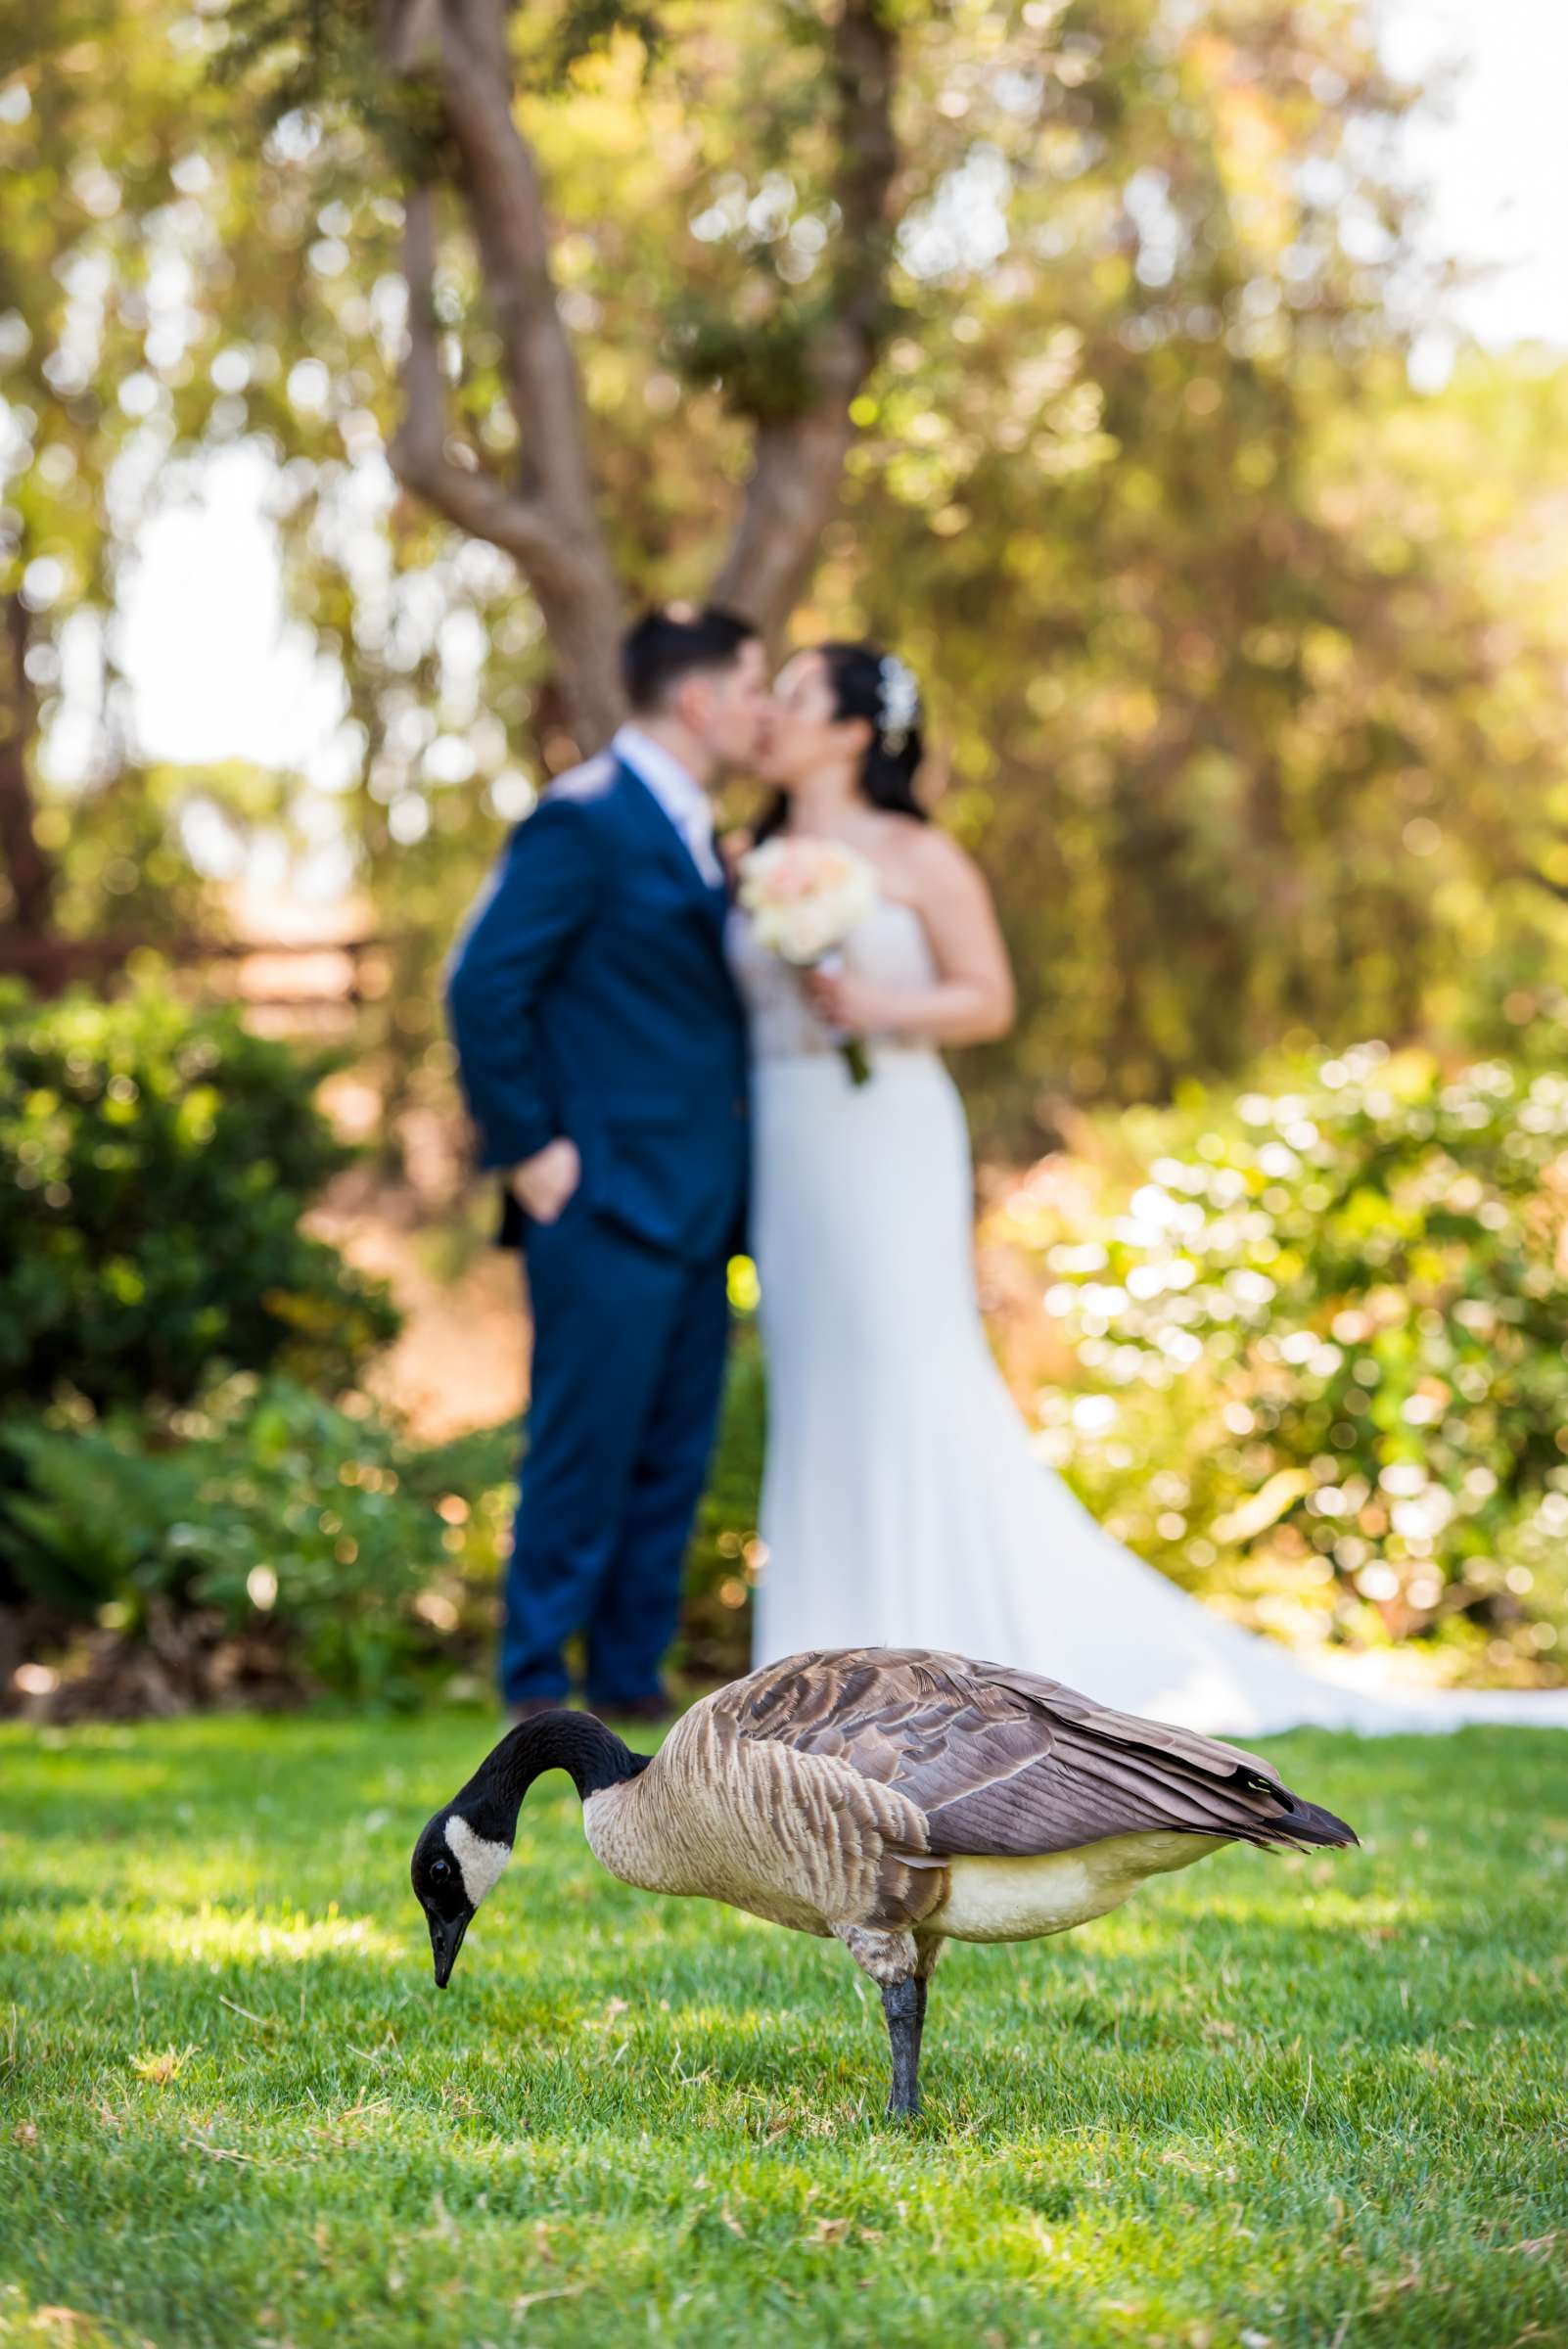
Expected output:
{"points": [[1225, 626], [1064, 342]]}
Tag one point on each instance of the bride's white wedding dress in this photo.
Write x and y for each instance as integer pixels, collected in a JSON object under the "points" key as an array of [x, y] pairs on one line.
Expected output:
{"points": [[903, 1505]]}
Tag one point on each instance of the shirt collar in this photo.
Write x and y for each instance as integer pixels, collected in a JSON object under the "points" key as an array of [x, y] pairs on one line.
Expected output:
{"points": [[673, 786]]}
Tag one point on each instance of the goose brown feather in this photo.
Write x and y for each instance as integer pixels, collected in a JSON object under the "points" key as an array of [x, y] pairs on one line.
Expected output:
{"points": [[1000, 1763]]}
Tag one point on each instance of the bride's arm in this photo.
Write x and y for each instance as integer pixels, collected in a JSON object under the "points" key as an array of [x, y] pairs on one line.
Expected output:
{"points": [[971, 999]]}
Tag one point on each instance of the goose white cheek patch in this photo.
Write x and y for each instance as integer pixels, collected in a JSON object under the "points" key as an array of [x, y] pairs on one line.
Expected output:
{"points": [[479, 1862]]}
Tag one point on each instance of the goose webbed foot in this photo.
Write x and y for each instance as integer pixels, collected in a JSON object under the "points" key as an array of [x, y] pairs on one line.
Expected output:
{"points": [[905, 2006]]}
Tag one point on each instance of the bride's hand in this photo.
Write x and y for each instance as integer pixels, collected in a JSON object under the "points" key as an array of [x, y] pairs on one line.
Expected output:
{"points": [[856, 1006]]}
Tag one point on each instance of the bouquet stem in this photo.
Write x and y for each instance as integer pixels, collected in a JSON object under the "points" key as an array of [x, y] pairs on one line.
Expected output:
{"points": [[855, 1059]]}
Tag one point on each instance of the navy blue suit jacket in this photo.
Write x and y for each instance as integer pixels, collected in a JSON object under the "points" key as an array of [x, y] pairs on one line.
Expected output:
{"points": [[590, 998]]}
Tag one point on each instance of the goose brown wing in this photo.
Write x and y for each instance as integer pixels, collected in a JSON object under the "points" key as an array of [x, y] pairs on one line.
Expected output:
{"points": [[1005, 1764]]}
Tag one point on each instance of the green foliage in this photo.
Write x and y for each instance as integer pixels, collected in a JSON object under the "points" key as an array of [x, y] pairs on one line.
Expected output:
{"points": [[294, 55], [764, 370], [153, 1164], [363, 1558], [586, 28], [363, 1554], [1273, 2099], [1321, 1350]]}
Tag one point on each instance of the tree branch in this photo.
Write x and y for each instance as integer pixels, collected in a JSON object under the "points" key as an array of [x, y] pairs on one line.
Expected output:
{"points": [[797, 464], [467, 494], [506, 206], [547, 521]]}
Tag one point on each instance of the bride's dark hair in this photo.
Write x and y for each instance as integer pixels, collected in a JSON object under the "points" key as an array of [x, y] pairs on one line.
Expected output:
{"points": [[859, 675]]}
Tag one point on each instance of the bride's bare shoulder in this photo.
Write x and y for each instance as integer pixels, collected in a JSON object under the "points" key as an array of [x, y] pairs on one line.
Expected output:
{"points": [[935, 866]]}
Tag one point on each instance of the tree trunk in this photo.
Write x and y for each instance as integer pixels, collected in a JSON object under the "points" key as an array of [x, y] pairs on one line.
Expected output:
{"points": [[28, 865], [797, 461], [545, 516]]}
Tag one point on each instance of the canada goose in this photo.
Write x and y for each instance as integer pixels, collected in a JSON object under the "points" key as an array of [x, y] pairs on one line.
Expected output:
{"points": [[894, 1798]]}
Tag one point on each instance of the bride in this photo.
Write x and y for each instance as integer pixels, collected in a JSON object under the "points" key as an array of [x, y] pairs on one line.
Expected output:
{"points": [[902, 1504]]}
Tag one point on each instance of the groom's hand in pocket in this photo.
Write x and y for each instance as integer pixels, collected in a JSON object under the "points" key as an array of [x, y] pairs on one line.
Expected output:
{"points": [[542, 1185]]}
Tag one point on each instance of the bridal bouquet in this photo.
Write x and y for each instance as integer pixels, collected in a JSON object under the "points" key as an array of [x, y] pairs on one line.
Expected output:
{"points": [[805, 898]]}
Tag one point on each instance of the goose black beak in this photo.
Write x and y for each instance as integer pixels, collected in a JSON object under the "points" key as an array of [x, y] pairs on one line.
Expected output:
{"points": [[446, 1940]]}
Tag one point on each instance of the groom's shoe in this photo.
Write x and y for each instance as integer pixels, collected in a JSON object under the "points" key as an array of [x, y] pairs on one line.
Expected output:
{"points": [[654, 1711], [528, 1708]]}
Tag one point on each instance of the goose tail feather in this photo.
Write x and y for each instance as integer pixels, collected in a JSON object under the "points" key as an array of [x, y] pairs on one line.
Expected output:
{"points": [[1309, 1822]]}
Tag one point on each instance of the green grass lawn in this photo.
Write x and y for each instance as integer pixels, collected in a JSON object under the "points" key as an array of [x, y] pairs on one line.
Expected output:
{"points": [[1293, 2100]]}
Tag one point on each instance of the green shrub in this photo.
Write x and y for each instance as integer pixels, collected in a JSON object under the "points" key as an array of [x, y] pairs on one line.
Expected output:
{"points": [[365, 1558], [1320, 1351], [153, 1164], [365, 1555]]}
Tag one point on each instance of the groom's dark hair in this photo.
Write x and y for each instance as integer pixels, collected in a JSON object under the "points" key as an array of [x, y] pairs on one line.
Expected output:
{"points": [[675, 642]]}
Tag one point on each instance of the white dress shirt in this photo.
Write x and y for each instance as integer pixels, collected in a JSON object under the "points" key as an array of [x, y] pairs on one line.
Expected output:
{"points": [[679, 793]]}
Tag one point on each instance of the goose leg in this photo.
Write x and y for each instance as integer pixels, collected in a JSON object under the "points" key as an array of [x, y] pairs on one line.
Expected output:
{"points": [[903, 2004], [924, 1968], [894, 1962]]}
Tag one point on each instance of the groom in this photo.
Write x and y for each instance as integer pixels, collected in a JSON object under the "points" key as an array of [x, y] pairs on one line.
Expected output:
{"points": [[603, 1054]]}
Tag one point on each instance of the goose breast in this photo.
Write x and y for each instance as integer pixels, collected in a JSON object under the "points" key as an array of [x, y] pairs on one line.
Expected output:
{"points": [[802, 1839]]}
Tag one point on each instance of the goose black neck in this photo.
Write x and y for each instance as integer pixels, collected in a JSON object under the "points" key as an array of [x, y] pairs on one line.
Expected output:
{"points": [[592, 1757]]}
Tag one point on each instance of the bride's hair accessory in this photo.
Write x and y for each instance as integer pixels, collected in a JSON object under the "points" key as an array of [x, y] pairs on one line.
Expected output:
{"points": [[898, 703]]}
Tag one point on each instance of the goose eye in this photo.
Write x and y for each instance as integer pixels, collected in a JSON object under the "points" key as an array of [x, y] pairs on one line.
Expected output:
{"points": [[440, 1871]]}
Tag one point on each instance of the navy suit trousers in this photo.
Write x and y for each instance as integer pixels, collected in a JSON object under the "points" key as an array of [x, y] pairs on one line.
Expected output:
{"points": [[629, 1359]]}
